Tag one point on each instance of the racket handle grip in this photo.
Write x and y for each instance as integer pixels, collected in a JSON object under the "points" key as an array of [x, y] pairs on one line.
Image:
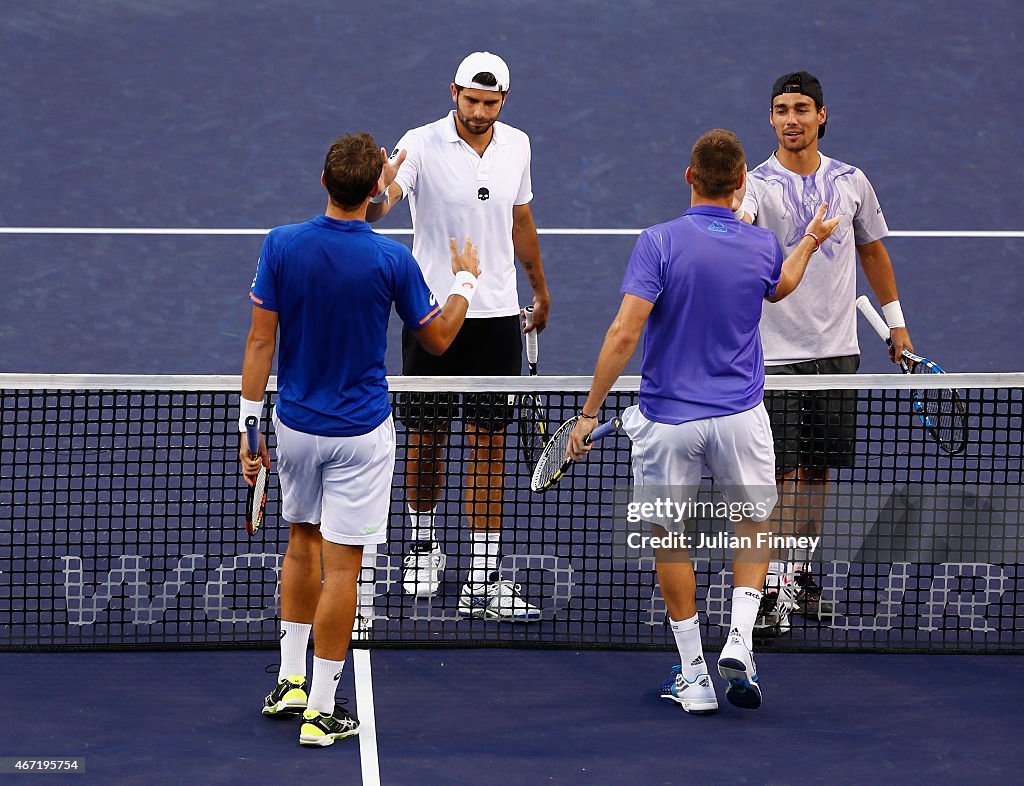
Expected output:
{"points": [[531, 337], [605, 429], [873, 317], [252, 434]]}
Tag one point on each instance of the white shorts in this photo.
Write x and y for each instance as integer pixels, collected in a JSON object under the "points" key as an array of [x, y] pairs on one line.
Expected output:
{"points": [[341, 483], [738, 450]]}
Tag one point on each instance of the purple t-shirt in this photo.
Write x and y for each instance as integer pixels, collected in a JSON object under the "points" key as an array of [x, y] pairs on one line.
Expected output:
{"points": [[707, 274]]}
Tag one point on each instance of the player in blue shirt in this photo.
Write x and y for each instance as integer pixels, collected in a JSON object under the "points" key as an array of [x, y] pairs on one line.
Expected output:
{"points": [[698, 283], [328, 285]]}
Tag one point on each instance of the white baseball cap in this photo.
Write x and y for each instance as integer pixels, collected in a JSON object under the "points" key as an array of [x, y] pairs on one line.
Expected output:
{"points": [[482, 62]]}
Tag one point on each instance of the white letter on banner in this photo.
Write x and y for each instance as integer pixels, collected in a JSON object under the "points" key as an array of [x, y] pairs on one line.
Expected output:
{"points": [[888, 599], [218, 607], [970, 608], [130, 570]]}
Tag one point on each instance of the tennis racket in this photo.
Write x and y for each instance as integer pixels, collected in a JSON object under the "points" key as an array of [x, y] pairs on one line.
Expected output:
{"points": [[533, 418], [553, 464], [256, 501], [940, 410]]}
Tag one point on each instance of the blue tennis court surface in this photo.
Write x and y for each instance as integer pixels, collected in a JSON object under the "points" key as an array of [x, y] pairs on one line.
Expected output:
{"points": [[195, 116], [145, 115], [513, 716]]}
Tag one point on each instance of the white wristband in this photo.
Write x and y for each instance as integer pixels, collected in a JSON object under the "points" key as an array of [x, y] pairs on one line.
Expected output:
{"points": [[894, 315], [383, 196], [248, 409], [465, 285]]}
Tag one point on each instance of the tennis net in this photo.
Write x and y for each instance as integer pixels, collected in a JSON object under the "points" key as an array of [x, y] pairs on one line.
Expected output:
{"points": [[121, 510]]}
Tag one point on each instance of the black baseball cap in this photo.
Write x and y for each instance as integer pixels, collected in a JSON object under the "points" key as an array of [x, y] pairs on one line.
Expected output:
{"points": [[805, 83]]}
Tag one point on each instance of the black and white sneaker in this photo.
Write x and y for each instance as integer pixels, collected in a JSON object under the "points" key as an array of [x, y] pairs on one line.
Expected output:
{"points": [[808, 597], [323, 730], [288, 698]]}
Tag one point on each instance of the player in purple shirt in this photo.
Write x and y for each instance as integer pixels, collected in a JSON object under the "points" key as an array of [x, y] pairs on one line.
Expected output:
{"points": [[327, 286], [698, 283]]}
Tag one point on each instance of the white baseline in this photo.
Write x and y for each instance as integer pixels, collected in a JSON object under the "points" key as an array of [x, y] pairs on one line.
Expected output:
{"points": [[947, 233], [368, 761]]}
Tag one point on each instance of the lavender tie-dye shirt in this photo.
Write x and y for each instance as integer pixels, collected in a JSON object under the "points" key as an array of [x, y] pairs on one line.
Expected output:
{"points": [[817, 320]]}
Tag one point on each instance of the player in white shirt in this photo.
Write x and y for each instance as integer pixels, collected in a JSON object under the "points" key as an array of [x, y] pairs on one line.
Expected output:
{"points": [[815, 330], [468, 173]]}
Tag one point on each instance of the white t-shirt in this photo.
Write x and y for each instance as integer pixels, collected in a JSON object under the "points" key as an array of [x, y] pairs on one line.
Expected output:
{"points": [[819, 318], [453, 192]]}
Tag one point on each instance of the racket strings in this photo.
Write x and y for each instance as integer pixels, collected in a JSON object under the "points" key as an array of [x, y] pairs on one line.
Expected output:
{"points": [[532, 426], [552, 458], [260, 486], [942, 412]]}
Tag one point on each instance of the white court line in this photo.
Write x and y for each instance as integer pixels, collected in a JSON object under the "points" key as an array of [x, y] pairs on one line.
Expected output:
{"points": [[947, 233], [368, 761]]}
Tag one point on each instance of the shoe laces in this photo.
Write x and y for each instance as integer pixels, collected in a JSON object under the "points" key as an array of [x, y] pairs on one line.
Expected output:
{"points": [[422, 560], [504, 588]]}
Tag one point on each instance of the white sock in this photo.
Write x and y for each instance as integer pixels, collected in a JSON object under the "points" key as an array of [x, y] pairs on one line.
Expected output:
{"points": [[326, 676], [294, 643], [422, 525], [366, 589], [745, 603], [486, 544], [691, 653]]}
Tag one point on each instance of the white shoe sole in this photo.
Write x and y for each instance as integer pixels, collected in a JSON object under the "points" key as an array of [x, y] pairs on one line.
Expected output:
{"points": [[694, 706], [484, 614], [326, 739], [288, 708]]}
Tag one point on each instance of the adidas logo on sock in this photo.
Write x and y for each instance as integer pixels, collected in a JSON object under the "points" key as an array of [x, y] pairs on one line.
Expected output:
{"points": [[697, 661]]}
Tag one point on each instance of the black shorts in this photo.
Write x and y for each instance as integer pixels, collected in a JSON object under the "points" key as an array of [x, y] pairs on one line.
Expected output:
{"points": [[813, 428], [484, 347]]}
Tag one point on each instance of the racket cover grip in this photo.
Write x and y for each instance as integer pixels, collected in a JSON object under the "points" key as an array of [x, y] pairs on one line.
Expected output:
{"points": [[531, 337], [252, 434], [873, 317], [604, 430]]}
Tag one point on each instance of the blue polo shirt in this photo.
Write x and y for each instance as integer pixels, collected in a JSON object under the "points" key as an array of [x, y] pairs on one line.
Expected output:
{"points": [[332, 284], [707, 275]]}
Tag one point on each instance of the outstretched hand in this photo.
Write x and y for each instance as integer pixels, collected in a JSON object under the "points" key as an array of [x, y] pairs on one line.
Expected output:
{"points": [[466, 259], [819, 227], [739, 193], [389, 169]]}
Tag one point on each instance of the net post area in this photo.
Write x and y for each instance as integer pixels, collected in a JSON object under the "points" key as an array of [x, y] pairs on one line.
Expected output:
{"points": [[122, 520]]}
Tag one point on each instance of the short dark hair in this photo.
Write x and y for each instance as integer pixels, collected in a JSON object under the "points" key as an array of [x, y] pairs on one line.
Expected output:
{"points": [[483, 78], [716, 163], [351, 169]]}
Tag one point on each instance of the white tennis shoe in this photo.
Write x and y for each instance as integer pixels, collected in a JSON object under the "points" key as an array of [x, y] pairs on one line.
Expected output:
{"points": [[496, 600], [697, 697], [736, 665], [422, 568]]}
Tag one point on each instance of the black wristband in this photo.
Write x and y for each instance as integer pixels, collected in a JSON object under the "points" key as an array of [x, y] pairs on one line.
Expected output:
{"points": [[588, 417]]}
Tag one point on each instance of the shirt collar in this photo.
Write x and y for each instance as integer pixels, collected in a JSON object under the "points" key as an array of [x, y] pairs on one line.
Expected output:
{"points": [[710, 210], [775, 164], [343, 226], [451, 134]]}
